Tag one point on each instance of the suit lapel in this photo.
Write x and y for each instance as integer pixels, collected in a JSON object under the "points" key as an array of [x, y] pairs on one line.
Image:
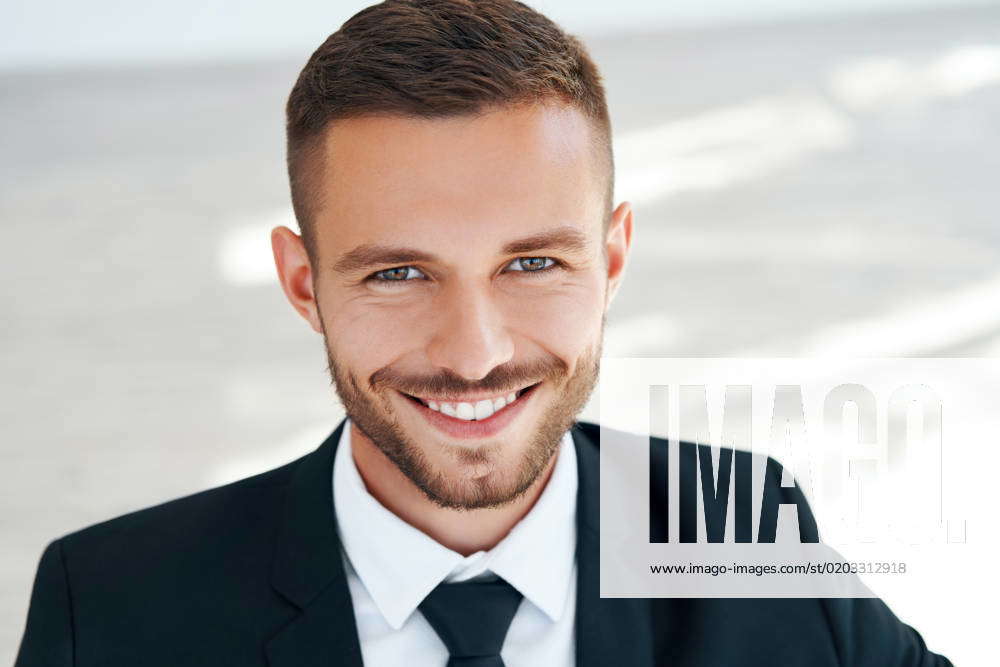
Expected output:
{"points": [[608, 631], [308, 570]]}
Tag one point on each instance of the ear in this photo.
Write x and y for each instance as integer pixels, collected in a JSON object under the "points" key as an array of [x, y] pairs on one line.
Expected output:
{"points": [[295, 274], [617, 242]]}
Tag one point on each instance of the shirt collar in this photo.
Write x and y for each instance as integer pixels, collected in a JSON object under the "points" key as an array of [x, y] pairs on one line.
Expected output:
{"points": [[536, 557]]}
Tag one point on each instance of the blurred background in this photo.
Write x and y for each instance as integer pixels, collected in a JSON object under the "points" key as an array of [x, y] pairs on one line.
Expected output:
{"points": [[809, 179]]}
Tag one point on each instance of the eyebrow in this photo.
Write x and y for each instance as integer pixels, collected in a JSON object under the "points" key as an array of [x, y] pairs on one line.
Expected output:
{"points": [[365, 256], [568, 239]]}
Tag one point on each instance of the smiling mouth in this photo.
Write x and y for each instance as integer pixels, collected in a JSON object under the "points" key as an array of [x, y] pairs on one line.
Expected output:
{"points": [[476, 410]]}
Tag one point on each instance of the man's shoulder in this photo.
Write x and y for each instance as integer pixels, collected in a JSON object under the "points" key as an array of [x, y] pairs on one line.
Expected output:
{"points": [[211, 521], [592, 432], [658, 446]]}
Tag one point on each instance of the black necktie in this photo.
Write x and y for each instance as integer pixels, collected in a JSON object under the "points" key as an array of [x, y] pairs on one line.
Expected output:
{"points": [[472, 618]]}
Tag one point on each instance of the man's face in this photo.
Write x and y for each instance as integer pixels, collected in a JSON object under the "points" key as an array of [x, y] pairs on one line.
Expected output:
{"points": [[461, 274]]}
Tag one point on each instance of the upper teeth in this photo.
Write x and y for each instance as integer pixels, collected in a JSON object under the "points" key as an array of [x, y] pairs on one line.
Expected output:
{"points": [[473, 411]]}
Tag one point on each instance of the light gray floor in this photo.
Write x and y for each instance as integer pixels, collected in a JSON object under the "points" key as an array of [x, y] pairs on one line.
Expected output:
{"points": [[135, 371]]}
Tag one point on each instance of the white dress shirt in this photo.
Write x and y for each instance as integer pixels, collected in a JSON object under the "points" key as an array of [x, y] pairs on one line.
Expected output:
{"points": [[392, 566]]}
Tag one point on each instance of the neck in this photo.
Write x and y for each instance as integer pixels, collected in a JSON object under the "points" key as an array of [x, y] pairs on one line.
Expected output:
{"points": [[464, 531]]}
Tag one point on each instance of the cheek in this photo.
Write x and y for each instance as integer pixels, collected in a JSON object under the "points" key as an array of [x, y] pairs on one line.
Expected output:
{"points": [[371, 333], [565, 320], [367, 333]]}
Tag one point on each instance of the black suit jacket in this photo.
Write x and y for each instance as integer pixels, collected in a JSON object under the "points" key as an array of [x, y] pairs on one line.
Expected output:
{"points": [[251, 574]]}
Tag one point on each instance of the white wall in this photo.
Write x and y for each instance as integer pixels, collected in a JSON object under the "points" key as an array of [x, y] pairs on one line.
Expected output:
{"points": [[36, 33]]}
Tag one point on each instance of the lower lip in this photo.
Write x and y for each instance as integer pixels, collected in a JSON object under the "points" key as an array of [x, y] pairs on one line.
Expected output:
{"points": [[460, 428]]}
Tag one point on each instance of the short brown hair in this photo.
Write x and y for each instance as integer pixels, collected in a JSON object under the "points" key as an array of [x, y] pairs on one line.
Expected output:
{"points": [[432, 59]]}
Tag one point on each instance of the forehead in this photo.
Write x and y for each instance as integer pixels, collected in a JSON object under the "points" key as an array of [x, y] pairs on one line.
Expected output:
{"points": [[471, 178]]}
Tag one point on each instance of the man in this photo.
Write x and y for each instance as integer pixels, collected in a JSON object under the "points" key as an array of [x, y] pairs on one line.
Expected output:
{"points": [[451, 173]]}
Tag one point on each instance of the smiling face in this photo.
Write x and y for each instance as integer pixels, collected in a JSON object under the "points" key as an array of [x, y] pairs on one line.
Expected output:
{"points": [[461, 272]]}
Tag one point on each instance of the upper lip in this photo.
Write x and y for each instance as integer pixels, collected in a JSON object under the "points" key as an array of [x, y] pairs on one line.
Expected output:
{"points": [[471, 398]]}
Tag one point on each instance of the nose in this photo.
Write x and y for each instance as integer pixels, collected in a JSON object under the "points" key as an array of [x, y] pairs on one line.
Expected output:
{"points": [[471, 336]]}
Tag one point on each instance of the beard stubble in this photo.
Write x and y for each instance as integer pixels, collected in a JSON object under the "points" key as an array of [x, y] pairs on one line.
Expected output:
{"points": [[370, 410]]}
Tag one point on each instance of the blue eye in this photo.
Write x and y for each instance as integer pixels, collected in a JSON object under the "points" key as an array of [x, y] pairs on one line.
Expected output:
{"points": [[399, 274], [531, 264]]}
